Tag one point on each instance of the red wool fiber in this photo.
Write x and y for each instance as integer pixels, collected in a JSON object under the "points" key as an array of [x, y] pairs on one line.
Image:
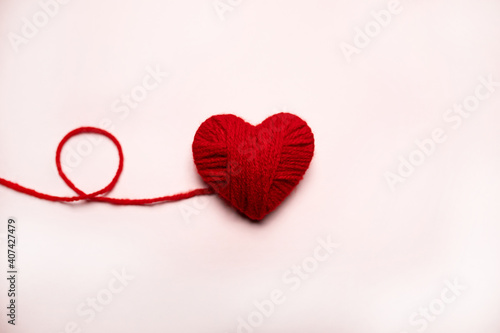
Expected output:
{"points": [[253, 168]]}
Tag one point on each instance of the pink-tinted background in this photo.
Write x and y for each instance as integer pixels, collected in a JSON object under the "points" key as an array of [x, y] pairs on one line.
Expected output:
{"points": [[198, 266]]}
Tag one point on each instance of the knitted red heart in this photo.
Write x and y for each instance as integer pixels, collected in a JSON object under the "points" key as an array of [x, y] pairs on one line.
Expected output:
{"points": [[253, 168]]}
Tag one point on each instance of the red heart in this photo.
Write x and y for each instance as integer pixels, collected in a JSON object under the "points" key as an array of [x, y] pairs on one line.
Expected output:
{"points": [[254, 168]]}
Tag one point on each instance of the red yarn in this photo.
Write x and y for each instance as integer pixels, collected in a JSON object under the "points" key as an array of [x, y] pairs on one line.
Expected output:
{"points": [[96, 196], [253, 168]]}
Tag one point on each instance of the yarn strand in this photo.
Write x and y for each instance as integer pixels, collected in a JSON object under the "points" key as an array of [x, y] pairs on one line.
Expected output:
{"points": [[98, 195]]}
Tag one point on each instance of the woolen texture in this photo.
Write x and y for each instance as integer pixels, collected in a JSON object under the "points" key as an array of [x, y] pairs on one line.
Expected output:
{"points": [[97, 196], [253, 168]]}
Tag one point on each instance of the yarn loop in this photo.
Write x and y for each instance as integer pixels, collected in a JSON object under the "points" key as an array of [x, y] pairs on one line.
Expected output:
{"points": [[97, 196]]}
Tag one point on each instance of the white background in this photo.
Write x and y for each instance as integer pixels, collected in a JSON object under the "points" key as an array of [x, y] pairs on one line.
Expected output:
{"points": [[202, 272]]}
